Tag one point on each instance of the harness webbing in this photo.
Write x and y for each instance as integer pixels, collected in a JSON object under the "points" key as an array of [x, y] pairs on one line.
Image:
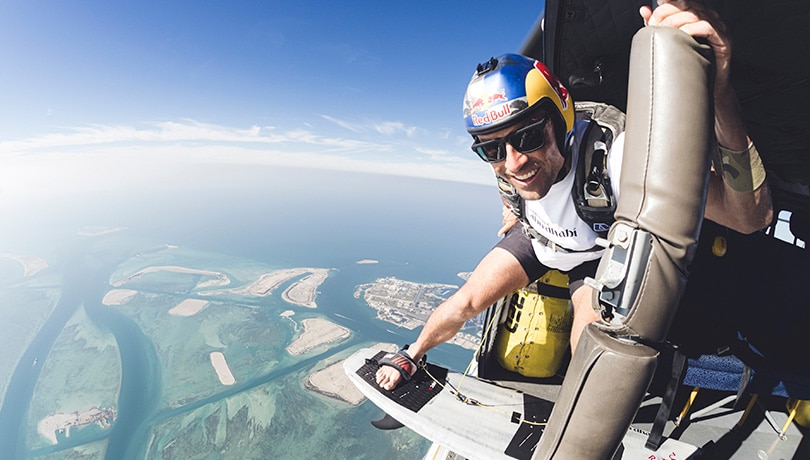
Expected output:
{"points": [[591, 193]]}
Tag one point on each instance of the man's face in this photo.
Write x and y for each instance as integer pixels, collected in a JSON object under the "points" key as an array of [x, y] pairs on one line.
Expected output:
{"points": [[532, 173]]}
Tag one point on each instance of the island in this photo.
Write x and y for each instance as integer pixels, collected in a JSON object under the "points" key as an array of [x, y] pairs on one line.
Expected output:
{"points": [[219, 279], [333, 382], [408, 305], [221, 368], [403, 303], [317, 332], [31, 264], [49, 426], [118, 296], [303, 291]]}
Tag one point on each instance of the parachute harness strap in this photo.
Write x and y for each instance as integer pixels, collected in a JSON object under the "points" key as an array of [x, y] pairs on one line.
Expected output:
{"points": [[455, 390]]}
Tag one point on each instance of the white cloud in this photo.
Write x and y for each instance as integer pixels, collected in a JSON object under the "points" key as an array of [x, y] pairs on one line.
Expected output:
{"points": [[343, 124], [386, 128], [179, 132], [390, 128], [96, 157]]}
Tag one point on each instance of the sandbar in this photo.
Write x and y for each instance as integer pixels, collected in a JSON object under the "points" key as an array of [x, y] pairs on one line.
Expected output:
{"points": [[219, 278], [117, 296], [317, 332], [188, 307], [268, 282], [303, 291], [30, 264], [222, 369], [367, 261], [332, 381]]}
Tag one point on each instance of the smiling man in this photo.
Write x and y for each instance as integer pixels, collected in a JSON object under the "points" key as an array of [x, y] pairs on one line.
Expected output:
{"points": [[524, 124]]}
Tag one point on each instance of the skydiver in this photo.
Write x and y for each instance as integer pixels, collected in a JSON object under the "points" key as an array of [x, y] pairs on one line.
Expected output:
{"points": [[524, 146]]}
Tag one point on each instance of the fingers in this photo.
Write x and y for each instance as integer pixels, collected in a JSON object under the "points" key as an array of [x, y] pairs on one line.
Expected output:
{"points": [[646, 13], [680, 14], [509, 220], [506, 227], [669, 15], [694, 18]]}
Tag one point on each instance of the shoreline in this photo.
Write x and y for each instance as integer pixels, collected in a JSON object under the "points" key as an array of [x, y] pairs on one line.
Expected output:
{"points": [[268, 282], [58, 422], [303, 292], [333, 382], [31, 264], [220, 279], [118, 296], [221, 367], [317, 332]]}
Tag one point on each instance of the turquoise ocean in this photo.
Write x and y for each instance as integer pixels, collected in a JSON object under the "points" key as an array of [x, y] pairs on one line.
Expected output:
{"points": [[65, 351]]}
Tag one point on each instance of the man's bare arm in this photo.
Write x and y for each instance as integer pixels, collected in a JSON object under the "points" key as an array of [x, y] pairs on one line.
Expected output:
{"points": [[498, 274]]}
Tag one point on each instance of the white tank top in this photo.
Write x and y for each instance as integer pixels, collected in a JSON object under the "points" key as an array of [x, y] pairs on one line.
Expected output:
{"points": [[555, 216]]}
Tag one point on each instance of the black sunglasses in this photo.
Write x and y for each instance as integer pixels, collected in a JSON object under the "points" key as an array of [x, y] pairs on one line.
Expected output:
{"points": [[524, 140]]}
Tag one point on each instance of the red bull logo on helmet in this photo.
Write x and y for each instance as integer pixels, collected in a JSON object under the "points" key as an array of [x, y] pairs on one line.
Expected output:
{"points": [[492, 115], [485, 101], [498, 96]]}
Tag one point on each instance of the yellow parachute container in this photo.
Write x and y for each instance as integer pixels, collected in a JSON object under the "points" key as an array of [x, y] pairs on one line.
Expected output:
{"points": [[802, 408], [534, 332]]}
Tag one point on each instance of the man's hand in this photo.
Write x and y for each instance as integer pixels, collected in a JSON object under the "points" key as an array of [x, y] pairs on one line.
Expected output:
{"points": [[744, 212], [698, 20], [509, 221]]}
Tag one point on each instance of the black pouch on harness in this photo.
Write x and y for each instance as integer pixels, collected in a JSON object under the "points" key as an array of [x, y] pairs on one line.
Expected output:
{"points": [[592, 192]]}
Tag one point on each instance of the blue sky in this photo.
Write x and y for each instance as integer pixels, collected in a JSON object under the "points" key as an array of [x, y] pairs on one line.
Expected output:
{"points": [[358, 85]]}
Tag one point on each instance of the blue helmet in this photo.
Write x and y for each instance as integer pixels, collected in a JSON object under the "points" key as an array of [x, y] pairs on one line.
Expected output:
{"points": [[507, 88]]}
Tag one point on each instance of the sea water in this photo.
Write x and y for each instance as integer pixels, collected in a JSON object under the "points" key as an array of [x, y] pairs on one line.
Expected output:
{"points": [[68, 350]]}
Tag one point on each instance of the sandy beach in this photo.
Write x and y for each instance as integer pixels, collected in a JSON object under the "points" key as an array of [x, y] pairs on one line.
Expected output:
{"points": [[219, 278], [221, 367], [50, 425], [268, 282], [303, 292], [31, 264], [118, 296], [316, 332], [332, 381], [188, 307]]}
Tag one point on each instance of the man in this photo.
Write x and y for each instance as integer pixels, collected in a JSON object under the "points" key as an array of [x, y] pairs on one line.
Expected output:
{"points": [[522, 122]]}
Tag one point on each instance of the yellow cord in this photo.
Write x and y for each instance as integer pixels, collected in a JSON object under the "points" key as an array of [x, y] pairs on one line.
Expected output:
{"points": [[466, 400]]}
